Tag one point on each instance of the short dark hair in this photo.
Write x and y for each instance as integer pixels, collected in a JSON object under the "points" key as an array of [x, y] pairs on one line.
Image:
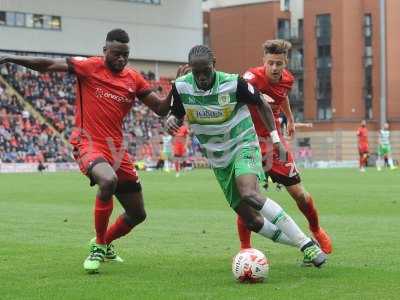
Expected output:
{"points": [[200, 51], [277, 47], [118, 35]]}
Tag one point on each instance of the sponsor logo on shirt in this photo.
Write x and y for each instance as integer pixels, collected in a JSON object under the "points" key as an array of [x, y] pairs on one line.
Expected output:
{"points": [[101, 94], [224, 99], [208, 114]]}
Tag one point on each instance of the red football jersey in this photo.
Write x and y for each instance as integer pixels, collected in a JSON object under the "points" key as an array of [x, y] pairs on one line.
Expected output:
{"points": [[362, 134], [278, 91], [102, 100]]}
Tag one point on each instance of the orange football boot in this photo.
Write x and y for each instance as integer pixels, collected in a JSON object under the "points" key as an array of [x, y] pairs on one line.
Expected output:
{"points": [[324, 240]]}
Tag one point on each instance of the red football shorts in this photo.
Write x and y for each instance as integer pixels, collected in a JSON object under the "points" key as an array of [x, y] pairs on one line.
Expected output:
{"points": [[179, 150], [363, 149], [87, 156], [280, 170]]}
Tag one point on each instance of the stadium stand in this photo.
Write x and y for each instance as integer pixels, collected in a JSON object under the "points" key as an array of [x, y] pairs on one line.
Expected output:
{"points": [[25, 139]]}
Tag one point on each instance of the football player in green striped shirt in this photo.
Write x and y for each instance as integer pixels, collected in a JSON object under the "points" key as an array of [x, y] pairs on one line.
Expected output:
{"points": [[384, 150], [215, 105]]}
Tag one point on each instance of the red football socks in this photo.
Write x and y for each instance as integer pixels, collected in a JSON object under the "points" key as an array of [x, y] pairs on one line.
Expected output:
{"points": [[177, 166], [118, 229], [310, 213], [244, 233], [102, 212]]}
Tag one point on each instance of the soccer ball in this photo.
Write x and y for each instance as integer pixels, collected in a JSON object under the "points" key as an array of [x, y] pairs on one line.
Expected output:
{"points": [[250, 265]]}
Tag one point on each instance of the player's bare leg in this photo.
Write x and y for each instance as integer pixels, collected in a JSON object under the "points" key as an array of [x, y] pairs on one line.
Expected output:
{"points": [[134, 214], [261, 213], [305, 203], [105, 177], [177, 166], [363, 161]]}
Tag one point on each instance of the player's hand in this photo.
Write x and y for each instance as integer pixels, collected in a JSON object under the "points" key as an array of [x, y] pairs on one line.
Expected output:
{"points": [[173, 124], [183, 70], [281, 150], [290, 128], [268, 98]]}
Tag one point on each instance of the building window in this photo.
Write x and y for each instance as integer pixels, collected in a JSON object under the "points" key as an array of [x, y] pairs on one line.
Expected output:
{"points": [[28, 20], [323, 26], [56, 23], [283, 29], [368, 95], [323, 88], [324, 85], [324, 110], [10, 18], [20, 19], [297, 100], [286, 5], [38, 21], [300, 29], [2, 18]]}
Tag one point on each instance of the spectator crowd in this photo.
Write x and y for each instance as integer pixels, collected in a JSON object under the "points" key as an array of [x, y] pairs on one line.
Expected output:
{"points": [[24, 138]]}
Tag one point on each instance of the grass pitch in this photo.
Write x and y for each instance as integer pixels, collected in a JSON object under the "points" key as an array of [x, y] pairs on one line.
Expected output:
{"points": [[185, 247]]}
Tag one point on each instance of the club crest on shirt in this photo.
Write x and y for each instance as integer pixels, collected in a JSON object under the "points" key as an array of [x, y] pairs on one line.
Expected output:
{"points": [[224, 99], [248, 75]]}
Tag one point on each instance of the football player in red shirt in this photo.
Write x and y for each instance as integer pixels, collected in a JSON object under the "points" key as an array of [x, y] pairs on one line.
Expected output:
{"points": [[362, 134], [180, 147], [105, 92], [274, 80]]}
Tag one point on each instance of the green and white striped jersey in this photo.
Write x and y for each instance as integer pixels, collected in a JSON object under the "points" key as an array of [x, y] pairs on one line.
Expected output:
{"points": [[384, 137], [219, 117], [167, 143]]}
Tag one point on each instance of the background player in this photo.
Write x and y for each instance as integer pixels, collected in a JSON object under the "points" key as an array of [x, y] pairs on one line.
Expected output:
{"points": [[215, 105], [274, 80], [106, 90], [166, 150], [180, 141], [384, 150], [363, 151]]}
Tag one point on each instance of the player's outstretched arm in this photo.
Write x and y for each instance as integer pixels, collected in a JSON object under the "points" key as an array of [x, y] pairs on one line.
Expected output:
{"points": [[159, 105], [162, 106], [40, 64]]}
